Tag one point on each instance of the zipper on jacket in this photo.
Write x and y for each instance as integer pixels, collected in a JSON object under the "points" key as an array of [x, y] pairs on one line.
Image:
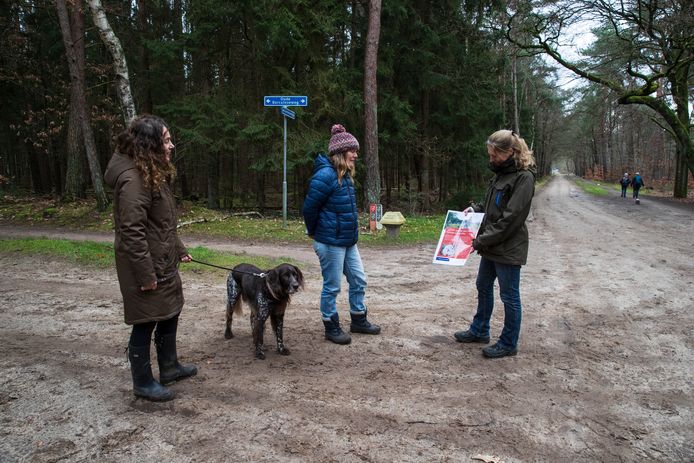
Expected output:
{"points": [[353, 200]]}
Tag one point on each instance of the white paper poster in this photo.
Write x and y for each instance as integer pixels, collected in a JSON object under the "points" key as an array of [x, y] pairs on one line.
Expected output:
{"points": [[455, 244]]}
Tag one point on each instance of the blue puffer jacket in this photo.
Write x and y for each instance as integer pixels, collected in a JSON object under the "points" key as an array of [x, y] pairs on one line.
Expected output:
{"points": [[330, 209]]}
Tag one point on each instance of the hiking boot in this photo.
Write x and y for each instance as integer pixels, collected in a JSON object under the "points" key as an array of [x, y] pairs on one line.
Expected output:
{"points": [[334, 333], [497, 351], [467, 336], [361, 325]]}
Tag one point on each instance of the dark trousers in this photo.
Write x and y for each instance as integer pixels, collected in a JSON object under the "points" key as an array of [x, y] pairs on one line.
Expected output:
{"points": [[636, 192], [141, 334], [624, 191], [509, 289]]}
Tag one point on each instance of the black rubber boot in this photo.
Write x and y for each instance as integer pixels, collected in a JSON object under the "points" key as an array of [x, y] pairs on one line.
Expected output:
{"points": [[334, 333], [361, 325], [169, 368], [144, 384]]}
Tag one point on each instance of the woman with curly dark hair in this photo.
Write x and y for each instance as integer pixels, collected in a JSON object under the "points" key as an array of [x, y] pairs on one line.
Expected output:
{"points": [[148, 252]]}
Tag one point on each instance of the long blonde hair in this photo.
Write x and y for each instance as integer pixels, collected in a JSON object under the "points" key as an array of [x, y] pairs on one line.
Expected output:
{"points": [[341, 166], [507, 140]]}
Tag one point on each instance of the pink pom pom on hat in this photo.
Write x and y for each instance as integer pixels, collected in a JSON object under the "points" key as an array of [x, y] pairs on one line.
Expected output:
{"points": [[341, 140]]}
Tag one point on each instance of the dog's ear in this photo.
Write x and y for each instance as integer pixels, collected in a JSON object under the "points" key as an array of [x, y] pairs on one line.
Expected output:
{"points": [[274, 283], [299, 276]]}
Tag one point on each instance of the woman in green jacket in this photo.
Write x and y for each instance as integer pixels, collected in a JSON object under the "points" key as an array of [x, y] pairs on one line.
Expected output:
{"points": [[502, 241], [148, 251]]}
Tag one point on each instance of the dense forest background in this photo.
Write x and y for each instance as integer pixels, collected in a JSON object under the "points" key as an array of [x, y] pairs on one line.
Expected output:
{"points": [[449, 73]]}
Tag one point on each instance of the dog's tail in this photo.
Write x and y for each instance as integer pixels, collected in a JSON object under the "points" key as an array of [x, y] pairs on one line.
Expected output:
{"points": [[234, 297], [236, 307]]}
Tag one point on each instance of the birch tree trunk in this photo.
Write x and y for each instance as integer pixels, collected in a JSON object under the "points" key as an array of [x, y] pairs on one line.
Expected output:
{"points": [[373, 173], [81, 106], [119, 64]]}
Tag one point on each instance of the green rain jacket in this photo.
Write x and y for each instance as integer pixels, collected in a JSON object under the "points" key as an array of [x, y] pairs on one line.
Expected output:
{"points": [[503, 235]]}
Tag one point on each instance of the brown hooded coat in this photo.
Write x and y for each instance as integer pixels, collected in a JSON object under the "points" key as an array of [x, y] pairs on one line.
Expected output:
{"points": [[147, 246]]}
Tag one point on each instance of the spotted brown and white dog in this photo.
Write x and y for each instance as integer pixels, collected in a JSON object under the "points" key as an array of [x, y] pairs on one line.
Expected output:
{"points": [[267, 294]]}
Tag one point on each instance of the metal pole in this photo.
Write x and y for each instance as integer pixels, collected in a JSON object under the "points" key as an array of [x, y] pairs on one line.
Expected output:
{"points": [[284, 182]]}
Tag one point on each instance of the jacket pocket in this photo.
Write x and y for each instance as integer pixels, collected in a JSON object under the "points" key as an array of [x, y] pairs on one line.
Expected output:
{"points": [[502, 195]]}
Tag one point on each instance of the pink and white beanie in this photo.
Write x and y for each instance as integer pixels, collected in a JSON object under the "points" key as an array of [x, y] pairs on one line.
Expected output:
{"points": [[341, 140]]}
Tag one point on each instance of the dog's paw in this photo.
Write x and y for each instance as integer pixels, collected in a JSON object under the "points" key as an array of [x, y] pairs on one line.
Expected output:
{"points": [[228, 334], [260, 355], [283, 351]]}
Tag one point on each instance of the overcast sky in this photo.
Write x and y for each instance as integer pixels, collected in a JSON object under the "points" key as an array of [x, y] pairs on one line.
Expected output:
{"points": [[578, 37]]}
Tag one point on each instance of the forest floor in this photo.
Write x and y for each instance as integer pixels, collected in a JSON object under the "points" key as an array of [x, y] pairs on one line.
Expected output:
{"points": [[604, 372]]}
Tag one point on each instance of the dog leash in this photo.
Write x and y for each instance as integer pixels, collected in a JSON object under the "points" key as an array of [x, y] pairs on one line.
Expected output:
{"points": [[259, 275]]}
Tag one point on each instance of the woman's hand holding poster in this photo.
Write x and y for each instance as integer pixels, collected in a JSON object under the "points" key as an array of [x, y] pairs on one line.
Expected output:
{"points": [[455, 244]]}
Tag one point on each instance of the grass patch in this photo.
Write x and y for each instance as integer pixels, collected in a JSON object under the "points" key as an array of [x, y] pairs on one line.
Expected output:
{"points": [[247, 229], [76, 252], [416, 230], [542, 181], [229, 260], [101, 255], [82, 215], [41, 211], [618, 187], [591, 188]]}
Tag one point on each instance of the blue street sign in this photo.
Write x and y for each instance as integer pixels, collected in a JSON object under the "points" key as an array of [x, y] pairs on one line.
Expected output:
{"points": [[285, 101], [286, 112]]}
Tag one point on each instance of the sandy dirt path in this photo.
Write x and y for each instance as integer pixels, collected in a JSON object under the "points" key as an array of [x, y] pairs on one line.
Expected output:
{"points": [[604, 371]]}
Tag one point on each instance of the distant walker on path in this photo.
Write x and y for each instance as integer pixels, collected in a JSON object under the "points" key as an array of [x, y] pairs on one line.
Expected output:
{"points": [[636, 184], [625, 182]]}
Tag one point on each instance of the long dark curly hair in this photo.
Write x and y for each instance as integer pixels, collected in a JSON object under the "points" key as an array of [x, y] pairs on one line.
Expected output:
{"points": [[143, 141]]}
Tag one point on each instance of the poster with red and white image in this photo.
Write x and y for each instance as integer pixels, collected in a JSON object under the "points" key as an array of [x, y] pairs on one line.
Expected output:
{"points": [[455, 243]]}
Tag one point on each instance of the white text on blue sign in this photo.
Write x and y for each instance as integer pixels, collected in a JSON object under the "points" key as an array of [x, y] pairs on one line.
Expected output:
{"points": [[278, 100]]}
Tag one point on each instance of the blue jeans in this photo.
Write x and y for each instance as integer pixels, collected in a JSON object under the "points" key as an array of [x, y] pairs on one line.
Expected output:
{"points": [[509, 290], [335, 261]]}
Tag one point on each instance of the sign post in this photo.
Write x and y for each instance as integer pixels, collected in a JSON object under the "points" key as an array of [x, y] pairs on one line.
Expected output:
{"points": [[372, 218], [287, 113], [284, 177], [283, 102], [375, 214]]}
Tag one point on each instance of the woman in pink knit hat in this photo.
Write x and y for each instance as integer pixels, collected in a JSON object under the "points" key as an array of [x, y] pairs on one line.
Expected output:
{"points": [[330, 214]]}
